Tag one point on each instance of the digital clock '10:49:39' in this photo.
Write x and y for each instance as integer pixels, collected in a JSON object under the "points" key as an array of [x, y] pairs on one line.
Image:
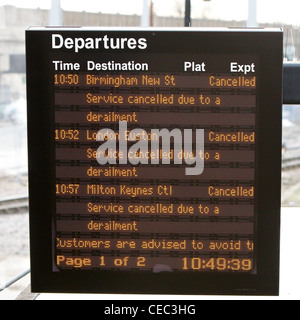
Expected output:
{"points": [[220, 264]]}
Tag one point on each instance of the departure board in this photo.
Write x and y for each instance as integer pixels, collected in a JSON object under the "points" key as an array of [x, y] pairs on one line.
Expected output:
{"points": [[154, 160]]}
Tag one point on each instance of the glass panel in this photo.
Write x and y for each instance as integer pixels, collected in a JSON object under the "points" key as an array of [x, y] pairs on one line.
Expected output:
{"points": [[14, 220], [17, 15]]}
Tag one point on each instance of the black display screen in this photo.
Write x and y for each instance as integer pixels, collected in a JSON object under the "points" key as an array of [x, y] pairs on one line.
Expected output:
{"points": [[154, 160]]}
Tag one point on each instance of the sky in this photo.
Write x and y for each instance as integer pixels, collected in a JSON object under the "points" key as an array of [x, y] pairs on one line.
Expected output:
{"points": [[285, 11]]}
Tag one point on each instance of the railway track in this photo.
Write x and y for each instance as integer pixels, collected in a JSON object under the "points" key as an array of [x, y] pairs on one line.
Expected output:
{"points": [[14, 205], [290, 163]]}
